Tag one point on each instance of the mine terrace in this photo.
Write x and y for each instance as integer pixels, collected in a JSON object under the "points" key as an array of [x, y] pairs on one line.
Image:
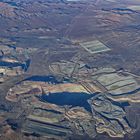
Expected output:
{"points": [[71, 72]]}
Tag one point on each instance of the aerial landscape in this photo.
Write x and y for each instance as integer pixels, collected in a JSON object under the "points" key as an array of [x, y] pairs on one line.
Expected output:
{"points": [[69, 69]]}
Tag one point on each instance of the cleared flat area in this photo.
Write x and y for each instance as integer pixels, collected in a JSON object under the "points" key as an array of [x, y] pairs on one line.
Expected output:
{"points": [[111, 0], [134, 7], [94, 46], [118, 84]]}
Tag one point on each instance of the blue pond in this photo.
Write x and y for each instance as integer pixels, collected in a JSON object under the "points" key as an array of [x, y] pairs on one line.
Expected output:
{"points": [[9, 64], [62, 98], [67, 98]]}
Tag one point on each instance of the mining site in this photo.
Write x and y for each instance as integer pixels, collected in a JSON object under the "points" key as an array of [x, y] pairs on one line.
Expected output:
{"points": [[69, 70]]}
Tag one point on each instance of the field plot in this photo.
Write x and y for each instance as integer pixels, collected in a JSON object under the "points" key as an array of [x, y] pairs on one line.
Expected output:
{"points": [[111, 0], [94, 46], [118, 84], [45, 129], [134, 7]]}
